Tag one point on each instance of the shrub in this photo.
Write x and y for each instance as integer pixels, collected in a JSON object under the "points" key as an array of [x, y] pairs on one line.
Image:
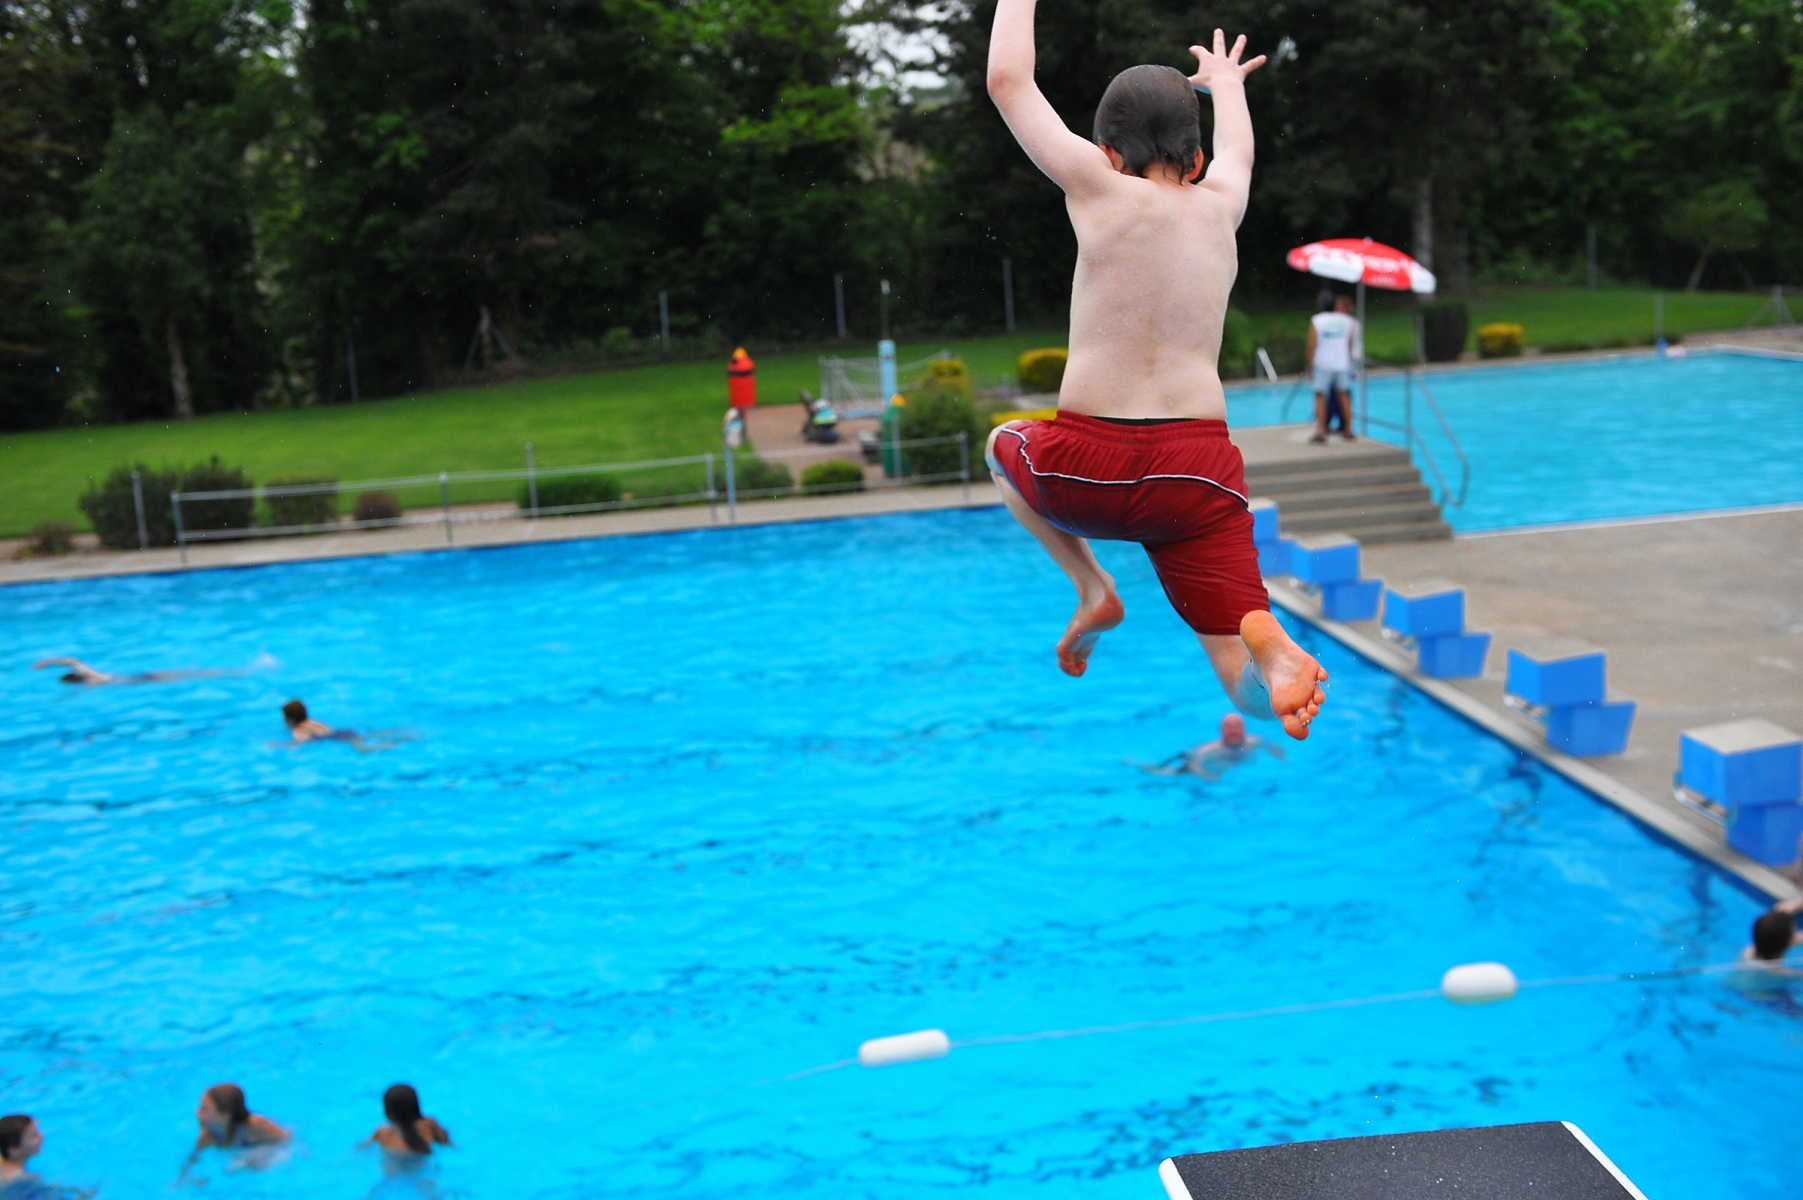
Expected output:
{"points": [[1042, 371], [237, 512], [1500, 340], [1288, 350], [752, 474], [1444, 328], [836, 475], [948, 375], [52, 537], [1237, 347], [309, 508], [376, 506], [569, 491], [936, 413], [109, 508]]}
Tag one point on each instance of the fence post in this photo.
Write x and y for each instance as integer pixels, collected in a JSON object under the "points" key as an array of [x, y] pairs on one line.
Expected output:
{"points": [[713, 511], [732, 494], [181, 538], [839, 302], [895, 449], [444, 500], [1008, 291], [531, 481], [964, 460], [137, 501], [663, 317]]}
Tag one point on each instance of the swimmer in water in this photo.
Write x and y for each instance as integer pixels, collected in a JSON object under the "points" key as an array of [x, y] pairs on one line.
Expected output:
{"points": [[227, 1123], [81, 673], [1211, 759], [1774, 933], [305, 729], [19, 1140], [408, 1131]]}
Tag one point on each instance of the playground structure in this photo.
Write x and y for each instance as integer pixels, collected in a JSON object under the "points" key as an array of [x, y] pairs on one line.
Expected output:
{"points": [[863, 387]]}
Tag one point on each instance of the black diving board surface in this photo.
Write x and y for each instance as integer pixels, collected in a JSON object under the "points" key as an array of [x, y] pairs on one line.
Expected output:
{"points": [[1544, 1160]]}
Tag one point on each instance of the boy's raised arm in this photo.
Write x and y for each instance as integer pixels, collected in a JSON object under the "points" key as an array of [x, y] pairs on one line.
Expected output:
{"points": [[1221, 74], [1070, 160]]}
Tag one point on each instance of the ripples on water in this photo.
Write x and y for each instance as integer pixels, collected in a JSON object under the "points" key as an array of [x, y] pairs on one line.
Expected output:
{"points": [[693, 812]]}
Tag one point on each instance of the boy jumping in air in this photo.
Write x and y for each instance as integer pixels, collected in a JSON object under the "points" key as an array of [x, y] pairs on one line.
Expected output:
{"points": [[1139, 450]]}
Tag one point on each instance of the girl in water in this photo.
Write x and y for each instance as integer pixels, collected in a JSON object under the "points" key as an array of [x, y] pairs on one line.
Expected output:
{"points": [[407, 1131], [226, 1122]]}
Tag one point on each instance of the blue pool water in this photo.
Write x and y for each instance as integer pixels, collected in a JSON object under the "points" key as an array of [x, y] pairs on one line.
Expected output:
{"points": [[1617, 437], [693, 812]]}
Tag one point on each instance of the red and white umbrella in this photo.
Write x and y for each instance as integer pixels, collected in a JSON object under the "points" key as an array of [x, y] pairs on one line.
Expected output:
{"points": [[1361, 260]]}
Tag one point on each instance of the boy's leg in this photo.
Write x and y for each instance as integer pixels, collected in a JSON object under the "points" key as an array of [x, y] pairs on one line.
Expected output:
{"points": [[1266, 674], [1320, 417], [1098, 608]]}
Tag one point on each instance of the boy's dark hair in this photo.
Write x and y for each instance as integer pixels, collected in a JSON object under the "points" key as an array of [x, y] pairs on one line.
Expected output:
{"points": [[294, 712], [1324, 300], [12, 1133], [1150, 114], [1772, 934]]}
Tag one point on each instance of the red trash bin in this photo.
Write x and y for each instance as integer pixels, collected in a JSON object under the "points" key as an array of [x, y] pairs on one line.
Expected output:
{"points": [[741, 380]]}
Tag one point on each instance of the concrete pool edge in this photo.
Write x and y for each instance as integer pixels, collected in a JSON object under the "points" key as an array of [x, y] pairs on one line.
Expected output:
{"points": [[1663, 821]]}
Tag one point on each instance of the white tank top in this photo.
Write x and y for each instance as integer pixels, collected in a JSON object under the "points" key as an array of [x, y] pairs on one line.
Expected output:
{"points": [[1336, 339]]}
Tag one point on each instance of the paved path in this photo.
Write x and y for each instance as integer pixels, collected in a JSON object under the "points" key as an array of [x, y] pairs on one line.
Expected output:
{"points": [[502, 527]]}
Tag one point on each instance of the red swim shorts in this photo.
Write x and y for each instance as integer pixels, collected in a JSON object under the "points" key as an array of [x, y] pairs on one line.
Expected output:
{"points": [[1178, 488]]}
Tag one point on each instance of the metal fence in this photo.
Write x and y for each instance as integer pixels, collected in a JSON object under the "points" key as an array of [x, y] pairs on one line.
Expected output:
{"points": [[717, 480]]}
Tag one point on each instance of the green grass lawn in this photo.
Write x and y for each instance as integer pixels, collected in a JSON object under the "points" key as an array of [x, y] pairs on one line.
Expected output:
{"points": [[1554, 318], [605, 416], [667, 410]]}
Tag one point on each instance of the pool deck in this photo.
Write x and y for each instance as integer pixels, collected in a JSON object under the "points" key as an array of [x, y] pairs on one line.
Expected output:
{"points": [[1702, 614]]}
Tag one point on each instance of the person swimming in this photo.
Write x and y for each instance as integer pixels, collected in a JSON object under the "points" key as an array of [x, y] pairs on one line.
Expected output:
{"points": [[408, 1131], [305, 729], [81, 673], [1211, 759], [227, 1123], [20, 1138]]}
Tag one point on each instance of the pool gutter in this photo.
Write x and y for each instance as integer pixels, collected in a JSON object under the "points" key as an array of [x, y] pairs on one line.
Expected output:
{"points": [[1667, 822]]}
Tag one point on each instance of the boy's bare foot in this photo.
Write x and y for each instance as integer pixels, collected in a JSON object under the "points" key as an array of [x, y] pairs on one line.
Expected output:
{"points": [[1291, 676], [1093, 619]]}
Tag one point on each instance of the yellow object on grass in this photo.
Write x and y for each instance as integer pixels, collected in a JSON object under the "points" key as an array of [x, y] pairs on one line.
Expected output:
{"points": [[1499, 340], [1042, 371], [1029, 414]]}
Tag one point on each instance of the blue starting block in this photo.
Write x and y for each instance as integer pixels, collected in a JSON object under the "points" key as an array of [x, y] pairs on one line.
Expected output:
{"points": [[1432, 615], [1273, 547], [1328, 558], [1331, 563], [1432, 608], [1567, 679], [1755, 769]]}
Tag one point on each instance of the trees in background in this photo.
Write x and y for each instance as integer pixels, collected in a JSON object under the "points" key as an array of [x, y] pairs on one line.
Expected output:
{"points": [[210, 204]]}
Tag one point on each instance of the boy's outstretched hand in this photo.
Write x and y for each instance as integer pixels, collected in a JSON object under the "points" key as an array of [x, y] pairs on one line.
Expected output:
{"points": [[1222, 64]]}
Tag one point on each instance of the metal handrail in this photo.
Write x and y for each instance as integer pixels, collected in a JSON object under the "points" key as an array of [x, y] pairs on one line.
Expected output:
{"points": [[1445, 428]]}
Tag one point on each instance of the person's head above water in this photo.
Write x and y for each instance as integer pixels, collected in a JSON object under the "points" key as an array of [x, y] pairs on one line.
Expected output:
{"points": [[1772, 935], [294, 712], [222, 1112], [1149, 115], [400, 1104], [1233, 730], [19, 1138]]}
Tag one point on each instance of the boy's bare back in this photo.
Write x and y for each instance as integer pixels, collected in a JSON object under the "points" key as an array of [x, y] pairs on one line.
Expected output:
{"points": [[1156, 256]]}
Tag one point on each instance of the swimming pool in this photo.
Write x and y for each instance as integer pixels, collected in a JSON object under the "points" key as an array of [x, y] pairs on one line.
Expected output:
{"points": [[693, 812], [1551, 442]]}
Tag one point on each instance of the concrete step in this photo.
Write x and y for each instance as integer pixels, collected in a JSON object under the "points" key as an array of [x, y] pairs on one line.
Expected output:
{"points": [[1377, 535], [1271, 482], [1343, 498], [1351, 520]]}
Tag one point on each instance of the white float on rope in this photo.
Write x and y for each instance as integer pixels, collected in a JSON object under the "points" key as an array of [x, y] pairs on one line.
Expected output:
{"points": [[905, 1047], [1479, 983]]}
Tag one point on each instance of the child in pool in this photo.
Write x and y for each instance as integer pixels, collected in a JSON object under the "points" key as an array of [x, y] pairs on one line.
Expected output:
{"points": [[305, 729], [226, 1122], [408, 1131], [1139, 450]]}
